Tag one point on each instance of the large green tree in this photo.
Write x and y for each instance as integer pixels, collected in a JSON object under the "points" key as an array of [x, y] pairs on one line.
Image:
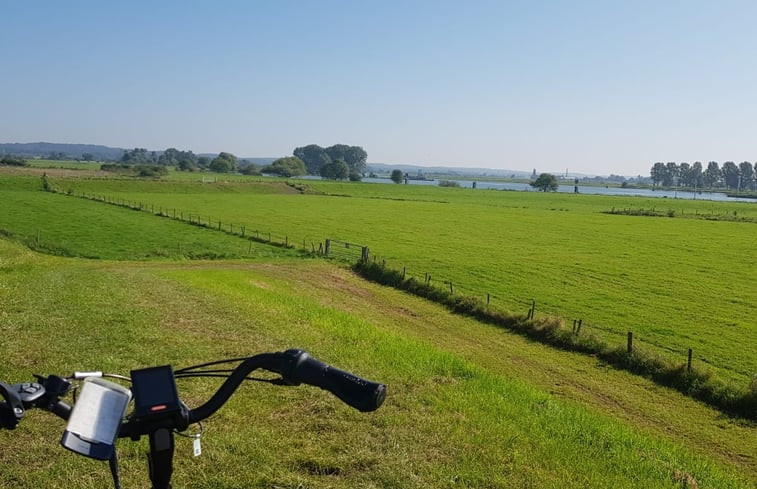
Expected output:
{"points": [[315, 157], [711, 175], [336, 170], [696, 176], [657, 173], [290, 166], [397, 176], [730, 174], [184, 160], [546, 182], [746, 172], [137, 156], [224, 163], [671, 176]]}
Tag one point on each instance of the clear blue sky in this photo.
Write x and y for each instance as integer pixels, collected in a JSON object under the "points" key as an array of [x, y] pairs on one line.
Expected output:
{"points": [[592, 86]]}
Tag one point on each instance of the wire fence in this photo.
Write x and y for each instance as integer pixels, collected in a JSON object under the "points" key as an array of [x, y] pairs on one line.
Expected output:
{"points": [[331, 248]]}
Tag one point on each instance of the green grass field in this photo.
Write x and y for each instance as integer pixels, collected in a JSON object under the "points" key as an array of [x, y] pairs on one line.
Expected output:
{"points": [[677, 283], [469, 405]]}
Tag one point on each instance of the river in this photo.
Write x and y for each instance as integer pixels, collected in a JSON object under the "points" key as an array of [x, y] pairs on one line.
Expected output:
{"points": [[582, 189]]}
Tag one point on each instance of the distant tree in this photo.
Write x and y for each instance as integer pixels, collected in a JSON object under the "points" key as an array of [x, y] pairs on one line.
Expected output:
{"points": [[671, 176], [354, 156], [696, 176], [336, 170], [546, 182], [224, 163], [136, 156], [12, 161], [250, 169], [684, 176], [203, 162], [397, 176], [355, 176], [316, 157], [184, 160], [730, 174], [711, 175], [313, 156], [88, 157], [188, 165], [290, 166], [657, 173], [746, 172]]}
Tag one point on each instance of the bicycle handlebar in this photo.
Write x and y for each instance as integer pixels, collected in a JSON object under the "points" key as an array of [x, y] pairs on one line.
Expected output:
{"points": [[295, 367]]}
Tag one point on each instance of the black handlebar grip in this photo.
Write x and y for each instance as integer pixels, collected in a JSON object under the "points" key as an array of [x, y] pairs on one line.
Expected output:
{"points": [[359, 393]]}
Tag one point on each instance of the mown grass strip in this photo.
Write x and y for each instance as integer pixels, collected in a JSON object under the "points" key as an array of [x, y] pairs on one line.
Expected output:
{"points": [[549, 330]]}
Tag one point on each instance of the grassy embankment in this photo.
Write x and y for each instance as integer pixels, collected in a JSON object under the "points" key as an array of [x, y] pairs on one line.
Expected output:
{"points": [[448, 422]]}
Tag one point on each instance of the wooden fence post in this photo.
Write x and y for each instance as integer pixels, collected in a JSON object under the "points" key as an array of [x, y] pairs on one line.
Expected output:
{"points": [[451, 288], [328, 246], [403, 273], [365, 255], [688, 364], [630, 342]]}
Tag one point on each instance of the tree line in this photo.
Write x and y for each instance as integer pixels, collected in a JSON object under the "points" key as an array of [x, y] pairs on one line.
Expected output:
{"points": [[337, 162], [732, 176]]}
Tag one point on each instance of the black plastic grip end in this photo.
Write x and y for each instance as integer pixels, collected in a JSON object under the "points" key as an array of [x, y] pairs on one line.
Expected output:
{"points": [[364, 395]]}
